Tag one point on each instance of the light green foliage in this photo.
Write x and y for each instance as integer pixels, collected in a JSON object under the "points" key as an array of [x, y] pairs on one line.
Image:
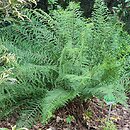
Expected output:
{"points": [[61, 56], [109, 125], [126, 74], [69, 119]]}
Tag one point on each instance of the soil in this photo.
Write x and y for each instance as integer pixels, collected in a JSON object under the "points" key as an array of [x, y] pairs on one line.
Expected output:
{"points": [[77, 115]]}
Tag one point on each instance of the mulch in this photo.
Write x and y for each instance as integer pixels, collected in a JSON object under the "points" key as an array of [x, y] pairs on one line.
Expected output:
{"points": [[87, 115]]}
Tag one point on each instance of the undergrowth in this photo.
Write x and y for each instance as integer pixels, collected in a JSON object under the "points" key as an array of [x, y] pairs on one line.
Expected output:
{"points": [[59, 57]]}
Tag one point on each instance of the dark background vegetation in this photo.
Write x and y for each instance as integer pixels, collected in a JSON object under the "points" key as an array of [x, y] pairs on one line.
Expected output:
{"points": [[87, 8]]}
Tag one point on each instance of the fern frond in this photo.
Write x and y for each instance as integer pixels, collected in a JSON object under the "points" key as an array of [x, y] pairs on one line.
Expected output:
{"points": [[29, 116], [53, 100]]}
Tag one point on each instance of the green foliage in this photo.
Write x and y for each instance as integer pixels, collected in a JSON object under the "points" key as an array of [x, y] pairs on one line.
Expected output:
{"points": [[122, 8], [52, 1], [109, 125], [59, 57], [53, 100], [69, 119]]}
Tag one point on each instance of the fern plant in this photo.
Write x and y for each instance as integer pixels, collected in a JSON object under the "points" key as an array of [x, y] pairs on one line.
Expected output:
{"points": [[61, 56]]}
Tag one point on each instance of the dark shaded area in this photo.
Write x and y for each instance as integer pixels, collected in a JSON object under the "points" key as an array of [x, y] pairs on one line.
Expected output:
{"points": [[63, 3], [43, 5], [127, 23], [87, 7], [4, 24]]}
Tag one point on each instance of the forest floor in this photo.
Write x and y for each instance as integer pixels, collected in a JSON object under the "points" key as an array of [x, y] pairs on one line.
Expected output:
{"points": [[89, 115]]}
